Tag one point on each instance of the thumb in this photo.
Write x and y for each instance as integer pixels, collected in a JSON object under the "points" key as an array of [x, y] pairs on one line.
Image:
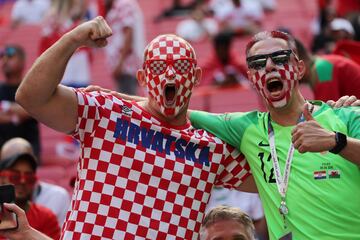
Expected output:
{"points": [[307, 113]]}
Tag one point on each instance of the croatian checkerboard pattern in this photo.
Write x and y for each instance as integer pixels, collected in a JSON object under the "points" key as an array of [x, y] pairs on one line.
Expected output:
{"points": [[132, 186]]}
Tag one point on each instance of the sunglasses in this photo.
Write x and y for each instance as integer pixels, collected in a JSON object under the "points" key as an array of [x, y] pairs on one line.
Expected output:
{"points": [[8, 52], [16, 177], [258, 62], [181, 65]]}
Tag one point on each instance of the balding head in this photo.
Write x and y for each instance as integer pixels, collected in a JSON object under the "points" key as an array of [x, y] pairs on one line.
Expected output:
{"points": [[15, 146]]}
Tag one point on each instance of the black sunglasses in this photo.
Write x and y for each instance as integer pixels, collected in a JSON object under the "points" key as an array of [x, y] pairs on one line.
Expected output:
{"points": [[259, 61]]}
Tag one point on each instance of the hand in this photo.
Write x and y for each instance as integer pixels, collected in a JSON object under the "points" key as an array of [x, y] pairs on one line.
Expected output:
{"points": [[93, 88], [344, 101], [92, 33], [309, 136], [96, 88], [23, 224]]}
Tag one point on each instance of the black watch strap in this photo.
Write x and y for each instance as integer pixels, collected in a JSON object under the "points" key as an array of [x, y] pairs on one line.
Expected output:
{"points": [[341, 141]]}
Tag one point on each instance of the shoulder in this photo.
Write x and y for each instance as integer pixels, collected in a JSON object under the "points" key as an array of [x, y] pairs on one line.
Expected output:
{"points": [[39, 211], [51, 189]]}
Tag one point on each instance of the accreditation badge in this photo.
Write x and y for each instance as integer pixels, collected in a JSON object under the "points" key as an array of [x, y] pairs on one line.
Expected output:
{"points": [[287, 236]]}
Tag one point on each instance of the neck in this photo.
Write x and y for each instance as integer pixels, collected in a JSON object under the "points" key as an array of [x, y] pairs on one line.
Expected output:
{"points": [[289, 114], [176, 120]]}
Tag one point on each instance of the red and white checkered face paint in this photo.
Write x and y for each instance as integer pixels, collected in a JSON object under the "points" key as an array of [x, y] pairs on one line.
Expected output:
{"points": [[169, 70], [289, 75]]}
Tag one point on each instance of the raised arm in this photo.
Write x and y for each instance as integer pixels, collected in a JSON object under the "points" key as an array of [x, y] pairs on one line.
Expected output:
{"points": [[40, 93]]}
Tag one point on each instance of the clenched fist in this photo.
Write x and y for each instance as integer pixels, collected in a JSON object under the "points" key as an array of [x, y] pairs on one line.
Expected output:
{"points": [[92, 33]]}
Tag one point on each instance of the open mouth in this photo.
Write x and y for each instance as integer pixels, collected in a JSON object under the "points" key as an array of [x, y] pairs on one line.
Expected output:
{"points": [[170, 94], [274, 87]]}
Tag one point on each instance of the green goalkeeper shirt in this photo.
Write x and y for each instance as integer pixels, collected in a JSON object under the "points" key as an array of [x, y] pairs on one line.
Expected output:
{"points": [[323, 194]]}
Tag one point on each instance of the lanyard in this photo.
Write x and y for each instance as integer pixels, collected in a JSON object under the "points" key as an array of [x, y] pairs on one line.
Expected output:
{"points": [[281, 181]]}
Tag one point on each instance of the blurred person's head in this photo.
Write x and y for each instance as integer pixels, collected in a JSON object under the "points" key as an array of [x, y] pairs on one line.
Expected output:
{"points": [[170, 73], [341, 28], [12, 63], [222, 44], [305, 55], [18, 167], [274, 67], [227, 223]]}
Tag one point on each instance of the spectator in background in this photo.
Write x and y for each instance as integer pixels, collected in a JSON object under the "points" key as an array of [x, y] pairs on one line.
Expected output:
{"points": [[29, 12], [177, 8], [14, 120], [62, 17], [238, 16], [54, 197], [225, 222], [125, 47], [20, 170], [224, 67], [249, 203], [321, 27], [341, 29], [199, 27], [329, 76]]}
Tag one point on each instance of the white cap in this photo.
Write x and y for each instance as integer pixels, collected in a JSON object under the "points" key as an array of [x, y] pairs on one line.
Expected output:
{"points": [[342, 24]]}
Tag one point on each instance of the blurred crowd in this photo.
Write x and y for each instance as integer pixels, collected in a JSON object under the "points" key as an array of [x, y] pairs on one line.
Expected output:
{"points": [[332, 58]]}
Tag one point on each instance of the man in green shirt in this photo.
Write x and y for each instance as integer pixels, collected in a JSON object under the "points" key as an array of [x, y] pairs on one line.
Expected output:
{"points": [[319, 198]]}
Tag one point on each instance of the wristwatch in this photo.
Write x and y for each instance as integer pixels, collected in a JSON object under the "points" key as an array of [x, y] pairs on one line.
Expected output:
{"points": [[341, 141]]}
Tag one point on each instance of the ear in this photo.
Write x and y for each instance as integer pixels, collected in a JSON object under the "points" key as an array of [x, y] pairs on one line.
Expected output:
{"points": [[140, 75], [197, 75], [302, 69]]}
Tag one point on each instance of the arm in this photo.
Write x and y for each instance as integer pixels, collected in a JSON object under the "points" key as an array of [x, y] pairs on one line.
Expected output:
{"points": [[40, 93], [344, 101], [24, 230]]}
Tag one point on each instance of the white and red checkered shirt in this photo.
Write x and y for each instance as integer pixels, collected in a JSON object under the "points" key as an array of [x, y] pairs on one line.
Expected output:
{"points": [[140, 178]]}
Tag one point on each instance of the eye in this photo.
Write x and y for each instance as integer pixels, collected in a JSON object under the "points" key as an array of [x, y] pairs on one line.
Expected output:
{"points": [[280, 59], [182, 66], [157, 67], [257, 63]]}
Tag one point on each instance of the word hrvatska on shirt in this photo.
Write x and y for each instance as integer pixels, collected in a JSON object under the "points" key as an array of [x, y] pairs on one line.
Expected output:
{"points": [[161, 143]]}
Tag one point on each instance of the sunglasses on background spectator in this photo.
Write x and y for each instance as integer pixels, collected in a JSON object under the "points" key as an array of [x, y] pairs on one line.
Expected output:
{"points": [[8, 52], [16, 177], [279, 58]]}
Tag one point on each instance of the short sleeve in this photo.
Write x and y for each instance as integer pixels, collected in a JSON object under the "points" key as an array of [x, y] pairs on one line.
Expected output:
{"points": [[221, 125], [234, 169], [351, 116], [91, 106]]}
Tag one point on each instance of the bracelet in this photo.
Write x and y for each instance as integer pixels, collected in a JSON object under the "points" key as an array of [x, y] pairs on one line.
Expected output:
{"points": [[341, 141]]}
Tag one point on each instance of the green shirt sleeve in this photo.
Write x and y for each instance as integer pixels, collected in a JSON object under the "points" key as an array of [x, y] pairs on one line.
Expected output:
{"points": [[351, 117], [229, 127]]}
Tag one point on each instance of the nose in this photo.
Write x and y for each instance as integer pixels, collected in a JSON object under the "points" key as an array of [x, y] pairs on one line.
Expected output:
{"points": [[170, 73], [270, 65]]}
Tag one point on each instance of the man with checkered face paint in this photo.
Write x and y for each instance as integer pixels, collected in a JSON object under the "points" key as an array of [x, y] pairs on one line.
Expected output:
{"points": [[171, 73], [144, 172], [296, 183]]}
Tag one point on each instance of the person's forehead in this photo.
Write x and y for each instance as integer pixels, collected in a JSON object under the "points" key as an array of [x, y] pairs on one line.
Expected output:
{"points": [[226, 228], [268, 46], [22, 165], [169, 47]]}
